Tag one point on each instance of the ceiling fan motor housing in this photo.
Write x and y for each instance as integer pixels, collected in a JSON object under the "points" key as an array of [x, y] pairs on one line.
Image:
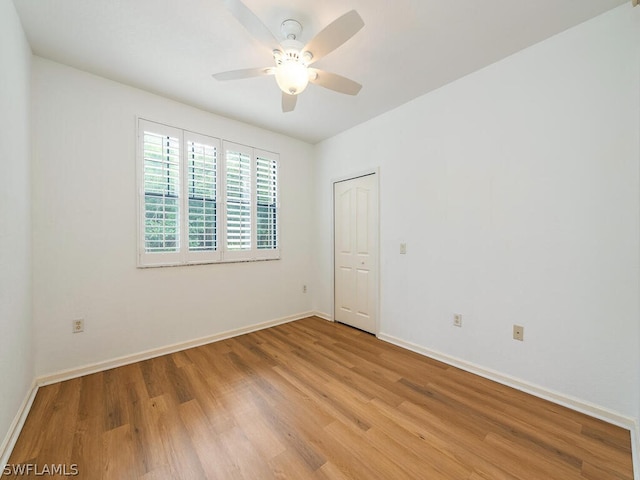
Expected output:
{"points": [[291, 30]]}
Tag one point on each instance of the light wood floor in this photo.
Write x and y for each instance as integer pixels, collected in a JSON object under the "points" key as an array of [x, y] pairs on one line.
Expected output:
{"points": [[311, 400]]}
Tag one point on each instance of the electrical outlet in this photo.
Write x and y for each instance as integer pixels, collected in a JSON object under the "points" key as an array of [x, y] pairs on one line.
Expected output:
{"points": [[518, 333], [403, 249], [304, 289], [457, 320], [77, 326]]}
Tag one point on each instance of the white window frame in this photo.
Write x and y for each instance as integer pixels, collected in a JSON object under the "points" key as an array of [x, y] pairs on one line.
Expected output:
{"points": [[159, 258], [222, 254], [194, 256], [239, 255], [266, 253]]}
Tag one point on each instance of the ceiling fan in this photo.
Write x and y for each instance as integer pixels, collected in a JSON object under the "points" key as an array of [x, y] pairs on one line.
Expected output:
{"points": [[292, 58]]}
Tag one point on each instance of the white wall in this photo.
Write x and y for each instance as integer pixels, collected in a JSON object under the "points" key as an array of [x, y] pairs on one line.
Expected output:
{"points": [[16, 364], [84, 203], [517, 192]]}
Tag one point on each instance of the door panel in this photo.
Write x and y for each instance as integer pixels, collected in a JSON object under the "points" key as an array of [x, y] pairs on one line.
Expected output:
{"points": [[346, 294], [362, 297], [362, 220], [345, 223], [356, 252]]}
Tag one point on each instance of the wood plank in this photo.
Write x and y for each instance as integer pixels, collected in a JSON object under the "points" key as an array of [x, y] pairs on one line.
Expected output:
{"points": [[118, 459], [311, 399]]}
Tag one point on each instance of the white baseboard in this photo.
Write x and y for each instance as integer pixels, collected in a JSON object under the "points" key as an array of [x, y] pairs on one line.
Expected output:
{"points": [[568, 401], [324, 316], [635, 449], [156, 352], [16, 426]]}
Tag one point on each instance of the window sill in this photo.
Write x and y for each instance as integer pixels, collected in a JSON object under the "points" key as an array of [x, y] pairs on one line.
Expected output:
{"points": [[208, 262]]}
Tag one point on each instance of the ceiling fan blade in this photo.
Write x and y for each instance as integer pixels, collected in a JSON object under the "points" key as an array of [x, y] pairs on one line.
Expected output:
{"points": [[244, 73], [289, 102], [251, 22], [334, 82], [334, 35]]}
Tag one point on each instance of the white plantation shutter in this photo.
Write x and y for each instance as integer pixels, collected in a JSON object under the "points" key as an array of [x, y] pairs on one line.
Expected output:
{"points": [[266, 204], [239, 208], [202, 196], [160, 192], [203, 204]]}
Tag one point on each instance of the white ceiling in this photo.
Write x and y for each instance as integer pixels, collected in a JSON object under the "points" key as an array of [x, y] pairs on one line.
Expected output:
{"points": [[406, 49]]}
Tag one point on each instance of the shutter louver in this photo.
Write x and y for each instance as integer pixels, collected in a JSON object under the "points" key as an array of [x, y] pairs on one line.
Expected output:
{"points": [[161, 155], [267, 203], [238, 190], [201, 186]]}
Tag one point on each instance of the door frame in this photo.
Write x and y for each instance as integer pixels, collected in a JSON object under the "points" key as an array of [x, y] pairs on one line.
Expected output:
{"points": [[364, 173]]}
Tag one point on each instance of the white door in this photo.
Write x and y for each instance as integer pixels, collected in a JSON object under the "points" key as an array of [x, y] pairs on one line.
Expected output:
{"points": [[356, 252]]}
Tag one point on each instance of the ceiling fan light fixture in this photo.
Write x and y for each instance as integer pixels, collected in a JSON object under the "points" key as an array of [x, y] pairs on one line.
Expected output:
{"points": [[292, 77], [293, 58]]}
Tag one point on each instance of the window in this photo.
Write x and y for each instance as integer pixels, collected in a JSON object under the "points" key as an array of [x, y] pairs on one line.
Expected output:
{"points": [[266, 202], [202, 178], [161, 192], [239, 193], [203, 204]]}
